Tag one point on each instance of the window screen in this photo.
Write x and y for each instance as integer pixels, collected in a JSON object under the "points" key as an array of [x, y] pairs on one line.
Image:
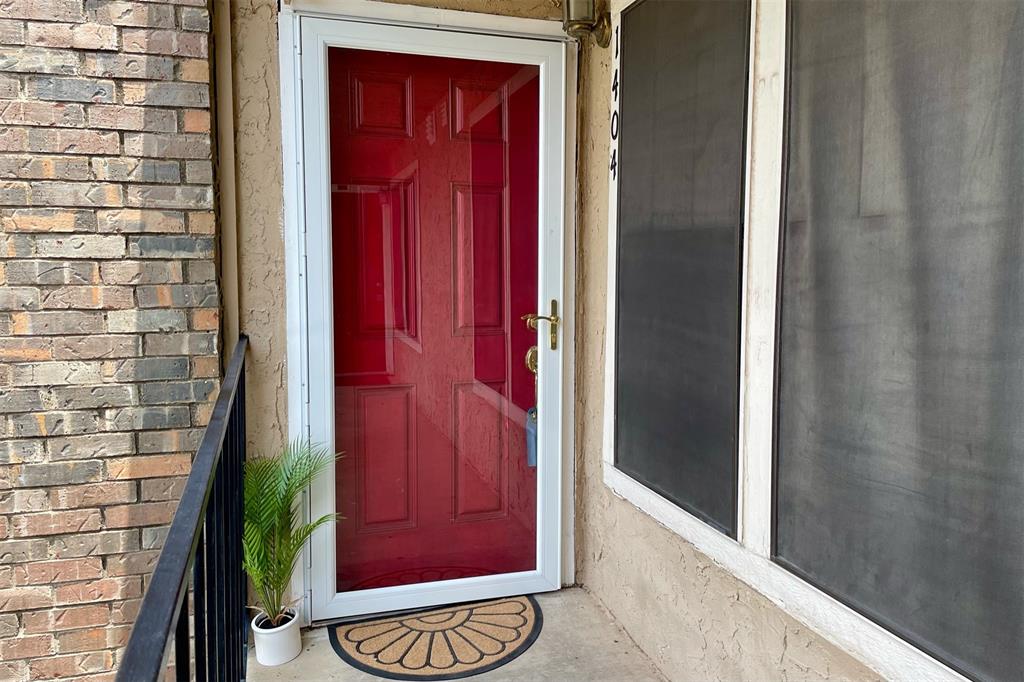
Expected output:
{"points": [[900, 452], [680, 171]]}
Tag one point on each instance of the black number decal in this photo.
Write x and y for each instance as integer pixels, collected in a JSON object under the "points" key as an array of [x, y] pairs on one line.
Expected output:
{"points": [[614, 165]]}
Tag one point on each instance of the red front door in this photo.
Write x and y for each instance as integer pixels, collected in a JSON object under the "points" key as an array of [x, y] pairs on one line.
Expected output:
{"points": [[434, 234]]}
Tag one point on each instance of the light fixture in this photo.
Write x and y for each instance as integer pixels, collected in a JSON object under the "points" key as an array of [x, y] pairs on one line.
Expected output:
{"points": [[579, 18]]}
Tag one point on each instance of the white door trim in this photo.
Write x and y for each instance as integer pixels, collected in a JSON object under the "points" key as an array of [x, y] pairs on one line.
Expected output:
{"points": [[395, 14], [304, 40]]}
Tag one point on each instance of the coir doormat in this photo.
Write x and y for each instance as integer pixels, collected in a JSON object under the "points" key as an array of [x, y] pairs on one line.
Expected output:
{"points": [[441, 644]]}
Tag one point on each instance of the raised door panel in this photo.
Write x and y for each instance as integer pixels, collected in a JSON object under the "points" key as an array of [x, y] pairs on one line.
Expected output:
{"points": [[480, 451], [377, 287], [381, 104], [479, 238], [478, 111], [386, 458]]}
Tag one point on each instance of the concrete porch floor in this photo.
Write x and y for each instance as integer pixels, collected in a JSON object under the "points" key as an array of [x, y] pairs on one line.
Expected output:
{"points": [[579, 641]]}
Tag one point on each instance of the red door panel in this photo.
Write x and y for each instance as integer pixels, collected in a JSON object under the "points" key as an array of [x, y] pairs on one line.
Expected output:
{"points": [[434, 237]]}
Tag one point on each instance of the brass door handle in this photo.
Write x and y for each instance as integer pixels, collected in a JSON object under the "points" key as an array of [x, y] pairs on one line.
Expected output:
{"points": [[553, 319]]}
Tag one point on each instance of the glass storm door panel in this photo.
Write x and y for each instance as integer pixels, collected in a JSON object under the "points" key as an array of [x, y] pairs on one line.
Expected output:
{"points": [[434, 210]]}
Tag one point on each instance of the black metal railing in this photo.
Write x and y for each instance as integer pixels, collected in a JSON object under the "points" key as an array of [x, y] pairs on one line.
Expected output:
{"points": [[205, 539]]}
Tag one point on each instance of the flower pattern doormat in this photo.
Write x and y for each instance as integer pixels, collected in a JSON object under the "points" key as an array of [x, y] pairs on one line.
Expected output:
{"points": [[441, 644]]}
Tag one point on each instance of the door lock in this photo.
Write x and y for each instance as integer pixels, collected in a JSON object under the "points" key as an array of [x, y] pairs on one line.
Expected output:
{"points": [[531, 359], [553, 319]]}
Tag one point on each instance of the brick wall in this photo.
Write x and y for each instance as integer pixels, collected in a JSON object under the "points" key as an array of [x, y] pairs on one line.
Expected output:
{"points": [[108, 314]]}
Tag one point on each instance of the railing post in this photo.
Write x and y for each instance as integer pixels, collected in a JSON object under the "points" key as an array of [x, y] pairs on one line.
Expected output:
{"points": [[182, 652], [215, 531], [199, 608]]}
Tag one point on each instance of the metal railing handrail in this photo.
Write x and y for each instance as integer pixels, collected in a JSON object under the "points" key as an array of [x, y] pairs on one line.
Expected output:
{"points": [[165, 606]]}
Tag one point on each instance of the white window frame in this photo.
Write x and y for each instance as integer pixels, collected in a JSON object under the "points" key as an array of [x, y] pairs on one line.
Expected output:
{"points": [[749, 557], [376, 25]]}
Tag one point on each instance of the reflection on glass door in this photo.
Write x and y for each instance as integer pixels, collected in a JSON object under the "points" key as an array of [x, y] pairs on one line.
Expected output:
{"points": [[434, 197]]}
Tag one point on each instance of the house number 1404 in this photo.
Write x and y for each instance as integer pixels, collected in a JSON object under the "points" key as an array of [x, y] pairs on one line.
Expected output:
{"points": [[615, 108]]}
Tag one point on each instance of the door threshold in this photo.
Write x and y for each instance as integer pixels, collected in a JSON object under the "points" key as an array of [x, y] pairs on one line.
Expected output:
{"points": [[326, 622]]}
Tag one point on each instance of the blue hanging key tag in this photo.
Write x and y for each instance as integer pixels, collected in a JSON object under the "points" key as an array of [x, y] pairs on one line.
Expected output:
{"points": [[531, 437]]}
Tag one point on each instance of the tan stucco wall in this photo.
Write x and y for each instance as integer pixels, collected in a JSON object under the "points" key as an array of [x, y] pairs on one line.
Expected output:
{"points": [[690, 616]]}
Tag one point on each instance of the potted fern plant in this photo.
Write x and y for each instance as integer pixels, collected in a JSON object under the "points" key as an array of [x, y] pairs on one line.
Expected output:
{"points": [[273, 539]]}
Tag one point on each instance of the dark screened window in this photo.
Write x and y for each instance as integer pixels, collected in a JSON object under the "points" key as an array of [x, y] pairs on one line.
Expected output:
{"points": [[683, 100], [900, 452]]}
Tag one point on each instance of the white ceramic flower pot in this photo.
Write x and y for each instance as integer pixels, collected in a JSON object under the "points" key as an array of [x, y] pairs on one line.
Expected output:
{"points": [[275, 646]]}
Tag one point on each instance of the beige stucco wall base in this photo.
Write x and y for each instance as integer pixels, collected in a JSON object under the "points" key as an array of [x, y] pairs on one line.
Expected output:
{"points": [[690, 616]]}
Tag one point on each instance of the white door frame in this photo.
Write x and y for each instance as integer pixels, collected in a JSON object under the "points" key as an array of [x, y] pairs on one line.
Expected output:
{"points": [[305, 34]]}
